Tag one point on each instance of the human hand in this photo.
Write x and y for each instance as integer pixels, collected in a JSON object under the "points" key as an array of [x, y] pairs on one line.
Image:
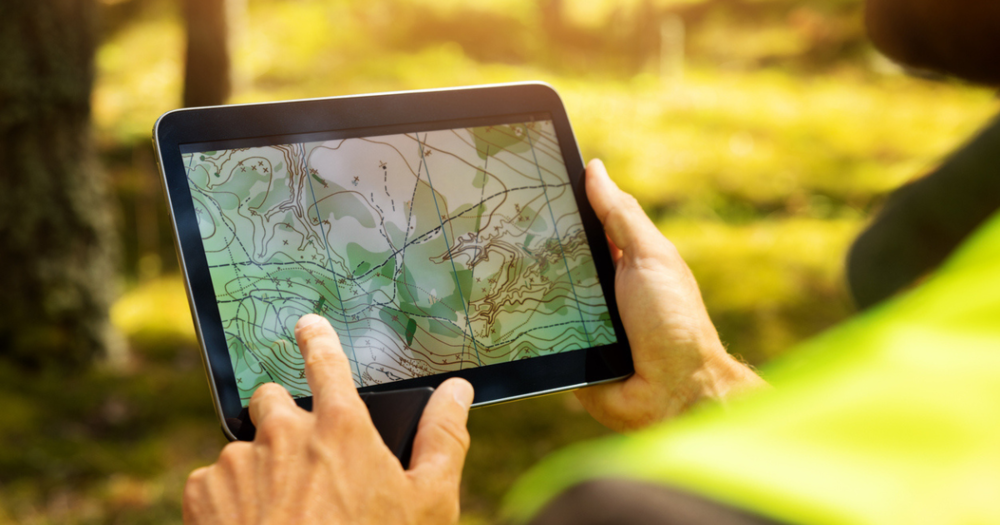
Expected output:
{"points": [[330, 465], [676, 350]]}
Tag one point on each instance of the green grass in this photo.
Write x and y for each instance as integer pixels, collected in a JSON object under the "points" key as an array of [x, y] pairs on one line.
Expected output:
{"points": [[760, 173]]}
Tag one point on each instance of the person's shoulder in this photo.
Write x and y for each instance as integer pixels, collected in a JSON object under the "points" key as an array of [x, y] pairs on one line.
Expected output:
{"points": [[629, 502]]}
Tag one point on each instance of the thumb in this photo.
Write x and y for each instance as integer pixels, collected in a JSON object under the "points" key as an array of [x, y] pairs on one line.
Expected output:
{"points": [[625, 223], [442, 438]]}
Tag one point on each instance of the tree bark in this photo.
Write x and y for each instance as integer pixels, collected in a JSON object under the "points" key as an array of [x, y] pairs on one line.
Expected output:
{"points": [[58, 245], [207, 67]]}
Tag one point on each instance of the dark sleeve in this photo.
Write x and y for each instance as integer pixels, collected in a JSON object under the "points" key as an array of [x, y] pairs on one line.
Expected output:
{"points": [[924, 221], [627, 502]]}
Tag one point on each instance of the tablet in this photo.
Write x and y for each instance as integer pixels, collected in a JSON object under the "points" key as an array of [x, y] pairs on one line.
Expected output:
{"points": [[443, 233]]}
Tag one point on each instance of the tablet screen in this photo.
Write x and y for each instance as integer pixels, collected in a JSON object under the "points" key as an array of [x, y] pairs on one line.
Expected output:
{"points": [[429, 251]]}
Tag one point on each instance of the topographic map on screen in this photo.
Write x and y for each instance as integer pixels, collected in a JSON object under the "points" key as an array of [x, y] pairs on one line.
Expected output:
{"points": [[428, 252]]}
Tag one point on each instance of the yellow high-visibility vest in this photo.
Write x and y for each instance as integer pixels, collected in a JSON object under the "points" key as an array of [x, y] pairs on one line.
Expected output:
{"points": [[890, 418]]}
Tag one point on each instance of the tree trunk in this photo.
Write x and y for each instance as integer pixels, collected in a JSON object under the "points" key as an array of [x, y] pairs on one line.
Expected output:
{"points": [[206, 63], [58, 245]]}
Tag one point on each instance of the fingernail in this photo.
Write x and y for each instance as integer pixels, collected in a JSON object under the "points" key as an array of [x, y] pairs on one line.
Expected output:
{"points": [[463, 393], [307, 321]]}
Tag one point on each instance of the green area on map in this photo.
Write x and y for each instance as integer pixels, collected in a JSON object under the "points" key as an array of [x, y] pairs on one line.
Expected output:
{"points": [[428, 252]]}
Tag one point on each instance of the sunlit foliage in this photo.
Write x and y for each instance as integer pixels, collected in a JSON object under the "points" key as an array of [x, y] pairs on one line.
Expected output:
{"points": [[760, 147]]}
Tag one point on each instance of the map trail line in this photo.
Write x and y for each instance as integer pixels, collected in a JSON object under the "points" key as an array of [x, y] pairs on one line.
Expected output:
{"points": [[555, 228], [512, 338], [240, 277], [329, 258], [451, 258], [400, 306], [422, 236], [481, 207]]}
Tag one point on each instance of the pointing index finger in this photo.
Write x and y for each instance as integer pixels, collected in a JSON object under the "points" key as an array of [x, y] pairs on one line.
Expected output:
{"points": [[327, 369]]}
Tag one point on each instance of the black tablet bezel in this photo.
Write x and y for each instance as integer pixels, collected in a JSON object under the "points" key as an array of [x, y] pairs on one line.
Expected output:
{"points": [[402, 112]]}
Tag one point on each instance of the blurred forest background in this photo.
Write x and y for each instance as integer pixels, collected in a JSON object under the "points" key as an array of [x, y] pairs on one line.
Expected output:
{"points": [[760, 135]]}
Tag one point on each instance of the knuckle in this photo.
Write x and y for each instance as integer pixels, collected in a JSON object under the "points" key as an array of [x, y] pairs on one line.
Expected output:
{"points": [[339, 405], [455, 431], [265, 391], [277, 426], [630, 202], [617, 215], [628, 208], [195, 480], [320, 452], [232, 455], [194, 491], [314, 331], [325, 357], [343, 410]]}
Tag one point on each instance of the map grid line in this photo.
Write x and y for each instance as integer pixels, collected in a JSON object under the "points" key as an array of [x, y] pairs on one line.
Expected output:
{"points": [[329, 258], [555, 228], [444, 234]]}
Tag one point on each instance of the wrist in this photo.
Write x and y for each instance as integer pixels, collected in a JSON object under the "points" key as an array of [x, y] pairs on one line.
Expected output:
{"points": [[723, 377]]}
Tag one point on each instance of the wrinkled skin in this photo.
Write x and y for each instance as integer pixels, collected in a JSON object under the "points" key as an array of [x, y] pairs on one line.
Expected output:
{"points": [[330, 465], [678, 357]]}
